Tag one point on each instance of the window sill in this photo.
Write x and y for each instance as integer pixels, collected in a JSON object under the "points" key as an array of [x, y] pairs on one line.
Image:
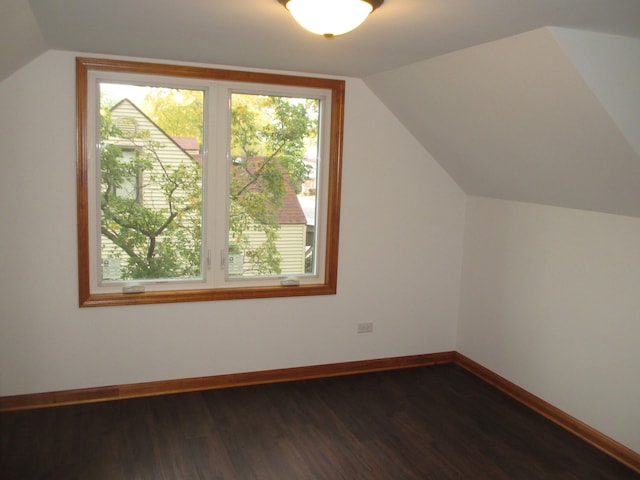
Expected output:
{"points": [[204, 295]]}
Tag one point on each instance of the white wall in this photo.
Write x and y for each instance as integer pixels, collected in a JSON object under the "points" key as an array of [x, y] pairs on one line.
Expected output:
{"points": [[550, 298], [400, 262], [551, 301]]}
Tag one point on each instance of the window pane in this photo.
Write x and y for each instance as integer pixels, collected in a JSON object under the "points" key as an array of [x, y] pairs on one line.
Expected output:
{"points": [[150, 182], [272, 191]]}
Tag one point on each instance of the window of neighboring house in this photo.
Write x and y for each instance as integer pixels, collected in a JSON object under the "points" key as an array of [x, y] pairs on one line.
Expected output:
{"points": [[130, 185], [203, 184]]}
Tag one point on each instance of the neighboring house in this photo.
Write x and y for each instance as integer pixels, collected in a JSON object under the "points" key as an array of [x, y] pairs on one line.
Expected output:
{"points": [[133, 122], [292, 235]]}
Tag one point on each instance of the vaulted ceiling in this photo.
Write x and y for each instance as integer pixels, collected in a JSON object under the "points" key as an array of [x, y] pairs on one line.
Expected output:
{"points": [[528, 100], [516, 119]]}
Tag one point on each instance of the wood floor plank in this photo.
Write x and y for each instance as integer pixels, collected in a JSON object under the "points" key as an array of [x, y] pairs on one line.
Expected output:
{"points": [[437, 422]]}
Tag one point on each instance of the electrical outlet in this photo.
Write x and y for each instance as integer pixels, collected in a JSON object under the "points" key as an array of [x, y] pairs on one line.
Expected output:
{"points": [[365, 327]]}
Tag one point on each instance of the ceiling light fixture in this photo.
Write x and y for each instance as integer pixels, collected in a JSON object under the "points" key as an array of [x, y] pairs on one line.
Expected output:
{"points": [[330, 17]]}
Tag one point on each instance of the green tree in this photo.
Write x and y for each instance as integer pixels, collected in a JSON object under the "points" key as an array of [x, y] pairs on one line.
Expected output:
{"points": [[178, 112], [268, 135], [159, 241], [268, 144]]}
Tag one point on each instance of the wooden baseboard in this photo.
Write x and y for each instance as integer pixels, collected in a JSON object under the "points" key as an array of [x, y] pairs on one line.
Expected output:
{"points": [[566, 421], [99, 394]]}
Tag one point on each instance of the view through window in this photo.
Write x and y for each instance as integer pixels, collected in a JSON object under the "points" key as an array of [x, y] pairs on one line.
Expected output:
{"points": [[151, 154], [205, 188]]}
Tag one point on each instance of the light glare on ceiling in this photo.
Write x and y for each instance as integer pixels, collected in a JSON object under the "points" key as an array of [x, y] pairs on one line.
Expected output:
{"points": [[330, 17]]}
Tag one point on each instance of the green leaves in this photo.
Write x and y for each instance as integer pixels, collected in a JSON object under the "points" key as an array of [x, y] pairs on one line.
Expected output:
{"points": [[159, 235], [267, 144], [151, 203]]}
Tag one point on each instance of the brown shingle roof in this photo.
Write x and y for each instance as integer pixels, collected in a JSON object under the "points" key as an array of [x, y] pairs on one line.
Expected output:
{"points": [[291, 212], [187, 143]]}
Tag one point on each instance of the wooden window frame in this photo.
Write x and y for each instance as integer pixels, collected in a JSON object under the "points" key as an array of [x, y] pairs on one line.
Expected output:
{"points": [[328, 286]]}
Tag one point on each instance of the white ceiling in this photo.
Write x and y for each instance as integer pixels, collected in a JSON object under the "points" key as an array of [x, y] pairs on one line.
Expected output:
{"points": [[261, 33], [512, 142]]}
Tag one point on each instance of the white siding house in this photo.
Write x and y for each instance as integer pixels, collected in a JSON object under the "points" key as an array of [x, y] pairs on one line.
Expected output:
{"points": [[292, 235], [127, 116], [140, 136], [174, 151]]}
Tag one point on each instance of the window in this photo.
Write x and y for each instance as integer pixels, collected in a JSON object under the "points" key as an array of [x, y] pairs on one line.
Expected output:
{"points": [[129, 186], [202, 184]]}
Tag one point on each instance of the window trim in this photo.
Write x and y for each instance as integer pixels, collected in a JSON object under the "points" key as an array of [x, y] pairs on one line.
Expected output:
{"points": [[331, 238]]}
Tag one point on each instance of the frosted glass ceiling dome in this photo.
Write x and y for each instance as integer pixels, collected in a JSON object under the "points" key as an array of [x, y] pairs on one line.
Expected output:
{"points": [[330, 17]]}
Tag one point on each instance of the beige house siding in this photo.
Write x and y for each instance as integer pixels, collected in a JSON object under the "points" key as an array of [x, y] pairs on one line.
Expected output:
{"points": [[290, 245], [170, 153]]}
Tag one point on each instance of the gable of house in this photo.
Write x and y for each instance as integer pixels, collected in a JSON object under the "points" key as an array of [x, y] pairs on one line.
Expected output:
{"points": [[174, 150]]}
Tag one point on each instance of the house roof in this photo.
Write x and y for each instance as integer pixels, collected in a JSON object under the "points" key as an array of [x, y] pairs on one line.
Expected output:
{"points": [[187, 143], [291, 212], [176, 140]]}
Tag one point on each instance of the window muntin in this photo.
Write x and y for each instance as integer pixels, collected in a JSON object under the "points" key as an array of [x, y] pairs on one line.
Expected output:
{"points": [[224, 254]]}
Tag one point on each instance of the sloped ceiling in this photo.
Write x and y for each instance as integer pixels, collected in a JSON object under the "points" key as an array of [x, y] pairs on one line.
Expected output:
{"points": [[20, 36], [481, 83], [514, 119]]}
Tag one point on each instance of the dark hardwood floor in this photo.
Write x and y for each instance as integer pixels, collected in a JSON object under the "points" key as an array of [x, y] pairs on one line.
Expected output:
{"points": [[436, 422]]}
